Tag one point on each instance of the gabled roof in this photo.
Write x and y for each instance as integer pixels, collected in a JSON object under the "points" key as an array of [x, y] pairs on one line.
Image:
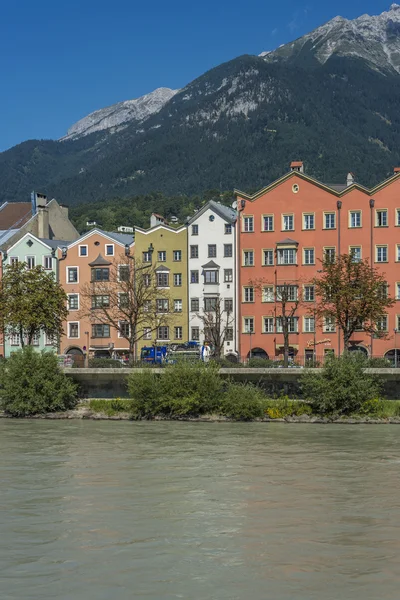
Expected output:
{"points": [[211, 265], [54, 243], [161, 269], [288, 241], [161, 226], [225, 212], [50, 244], [100, 261], [14, 214], [119, 238]]}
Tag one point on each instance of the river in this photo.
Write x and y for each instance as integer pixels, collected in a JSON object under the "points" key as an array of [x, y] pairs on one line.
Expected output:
{"points": [[119, 510]]}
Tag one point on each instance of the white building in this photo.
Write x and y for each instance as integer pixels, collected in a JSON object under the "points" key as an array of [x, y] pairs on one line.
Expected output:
{"points": [[212, 271]]}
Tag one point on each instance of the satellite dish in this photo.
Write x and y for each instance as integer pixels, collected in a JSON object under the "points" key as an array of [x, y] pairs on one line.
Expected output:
{"points": [[234, 205]]}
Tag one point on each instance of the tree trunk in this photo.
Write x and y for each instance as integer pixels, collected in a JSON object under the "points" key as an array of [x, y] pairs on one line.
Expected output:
{"points": [[131, 354], [285, 348], [346, 340]]}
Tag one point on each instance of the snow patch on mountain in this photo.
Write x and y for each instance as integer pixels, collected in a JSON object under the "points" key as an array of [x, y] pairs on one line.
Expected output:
{"points": [[119, 115]]}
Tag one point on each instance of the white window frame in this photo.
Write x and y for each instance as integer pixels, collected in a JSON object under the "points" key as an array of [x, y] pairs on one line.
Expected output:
{"points": [[247, 219], [264, 263], [351, 250], [289, 215], [45, 257], [175, 275], [30, 256], [181, 308], [248, 291], [310, 286], [386, 212], [305, 216], [163, 253], [174, 252], [67, 275], [49, 341], [397, 222], [381, 247], [168, 338], [113, 249], [263, 217], [119, 268], [79, 330], [267, 329], [329, 214], [329, 325], [308, 324], [304, 256], [268, 296], [120, 322], [251, 321], [147, 333], [180, 328], [252, 262], [281, 252], [13, 260], [293, 321], [79, 302], [355, 212], [386, 318], [87, 251]]}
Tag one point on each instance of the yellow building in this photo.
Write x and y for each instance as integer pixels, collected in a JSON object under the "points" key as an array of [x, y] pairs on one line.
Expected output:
{"points": [[170, 261]]}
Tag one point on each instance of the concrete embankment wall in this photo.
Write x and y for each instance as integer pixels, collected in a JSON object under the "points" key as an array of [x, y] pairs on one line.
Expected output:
{"points": [[112, 383]]}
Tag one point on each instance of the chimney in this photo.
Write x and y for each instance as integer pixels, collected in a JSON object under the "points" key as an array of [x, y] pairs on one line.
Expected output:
{"points": [[297, 165], [396, 170], [350, 179], [43, 222]]}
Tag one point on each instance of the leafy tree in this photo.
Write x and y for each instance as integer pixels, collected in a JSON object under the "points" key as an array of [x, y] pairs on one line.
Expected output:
{"points": [[32, 383], [353, 294], [31, 301], [127, 302], [217, 325]]}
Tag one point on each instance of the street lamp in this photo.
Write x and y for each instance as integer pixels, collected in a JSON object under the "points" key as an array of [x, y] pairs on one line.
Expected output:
{"points": [[150, 251]]}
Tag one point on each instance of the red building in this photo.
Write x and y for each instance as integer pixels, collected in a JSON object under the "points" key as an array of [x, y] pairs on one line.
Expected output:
{"points": [[285, 231]]}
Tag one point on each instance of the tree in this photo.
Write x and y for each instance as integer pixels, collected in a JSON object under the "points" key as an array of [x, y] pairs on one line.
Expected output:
{"points": [[130, 301], [353, 294], [218, 324], [31, 301]]}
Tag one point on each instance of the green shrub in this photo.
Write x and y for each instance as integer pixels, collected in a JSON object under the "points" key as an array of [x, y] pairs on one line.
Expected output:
{"points": [[145, 390], [260, 363], [32, 383], [111, 407], [243, 402], [342, 386], [104, 363], [379, 363], [284, 407]]}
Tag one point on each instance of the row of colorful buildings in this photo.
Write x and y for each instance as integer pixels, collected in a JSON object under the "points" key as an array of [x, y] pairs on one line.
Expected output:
{"points": [[234, 257]]}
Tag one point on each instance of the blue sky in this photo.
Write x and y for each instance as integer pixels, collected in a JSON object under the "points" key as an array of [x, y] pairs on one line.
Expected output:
{"points": [[62, 59]]}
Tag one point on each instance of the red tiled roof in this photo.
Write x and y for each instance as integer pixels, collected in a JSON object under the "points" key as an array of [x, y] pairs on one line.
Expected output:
{"points": [[296, 163], [14, 214], [397, 169]]}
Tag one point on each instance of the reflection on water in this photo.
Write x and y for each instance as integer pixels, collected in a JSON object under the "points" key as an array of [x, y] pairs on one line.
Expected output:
{"points": [[158, 511]]}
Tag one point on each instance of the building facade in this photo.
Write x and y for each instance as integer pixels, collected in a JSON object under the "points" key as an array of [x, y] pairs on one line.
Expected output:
{"points": [[286, 230], [212, 269], [169, 260], [95, 259]]}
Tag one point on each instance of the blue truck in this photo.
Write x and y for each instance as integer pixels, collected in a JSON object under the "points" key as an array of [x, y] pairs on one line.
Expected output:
{"points": [[154, 355]]}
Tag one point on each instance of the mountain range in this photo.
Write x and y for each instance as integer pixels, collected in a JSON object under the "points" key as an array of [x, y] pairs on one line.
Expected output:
{"points": [[329, 98]]}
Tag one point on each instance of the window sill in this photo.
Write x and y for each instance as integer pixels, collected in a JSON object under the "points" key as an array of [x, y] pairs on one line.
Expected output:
{"points": [[313, 229], [381, 227], [267, 230], [308, 265], [245, 266]]}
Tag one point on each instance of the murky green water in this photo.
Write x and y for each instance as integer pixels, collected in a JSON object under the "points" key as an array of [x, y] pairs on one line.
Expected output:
{"points": [[108, 510]]}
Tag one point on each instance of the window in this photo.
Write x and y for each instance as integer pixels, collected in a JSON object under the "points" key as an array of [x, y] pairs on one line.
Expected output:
{"points": [[72, 274], [210, 277], [383, 291], [194, 305], [228, 305], [147, 333], [248, 224], [178, 333], [162, 256], [147, 306], [212, 251], [268, 325], [248, 325], [83, 250], [268, 294], [194, 252], [162, 305], [287, 222], [147, 280], [73, 301], [309, 256], [355, 252], [48, 262], [36, 338], [309, 221], [268, 223], [194, 277], [228, 275], [177, 305], [162, 280], [381, 218], [177, 279], [228, 228], [195, 230], [309, 293], [359, 325], [124, 329], [109, 249], [101, 274], [195, 334], [100, 330], [268, 258], [13, 260], [146, 257], [15, 338], [210, 304], [163, 333], [309, 324], [73, 330], [398, 252], [287, 256], [330, 220], [381, 253], [124, 272], [229, 334], [177, 254], [286, 292], [50, 340], [329, 255], [382, 323], [248, 294], [293, 324], [355, 218], [30, 262], [100, 301], [248, 258], [398, 217], [329, 325], [228, 250], [123, 299]]}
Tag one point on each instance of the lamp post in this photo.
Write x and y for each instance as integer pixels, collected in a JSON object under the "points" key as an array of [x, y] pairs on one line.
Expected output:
{"points": [[87, 350], [135, 270], [395, 347]]}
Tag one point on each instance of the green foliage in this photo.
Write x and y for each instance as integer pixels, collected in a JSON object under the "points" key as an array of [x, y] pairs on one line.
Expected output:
{"points": [[379, 363], [342, 386], [104, 363], [243, 402], [284, 407], [111, 407], [32, 383], [260, 363]]}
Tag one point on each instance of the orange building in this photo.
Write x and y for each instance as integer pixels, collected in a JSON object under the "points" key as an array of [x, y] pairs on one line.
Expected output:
{"points": [[92, 258], [285, 231]]}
